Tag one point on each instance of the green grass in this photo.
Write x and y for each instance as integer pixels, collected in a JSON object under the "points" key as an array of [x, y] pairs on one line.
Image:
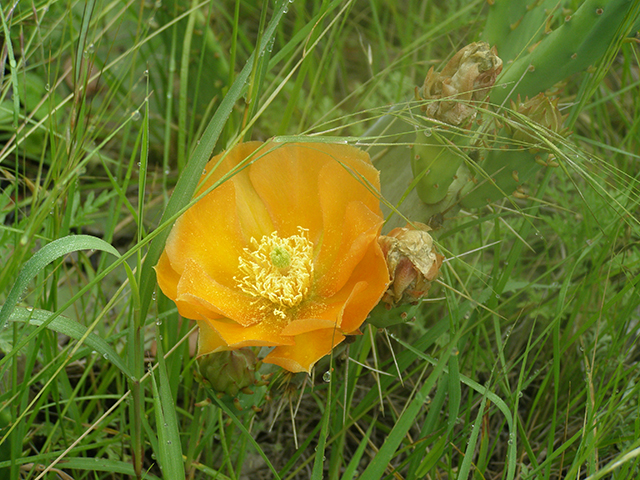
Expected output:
{"points": [[523, 364]]}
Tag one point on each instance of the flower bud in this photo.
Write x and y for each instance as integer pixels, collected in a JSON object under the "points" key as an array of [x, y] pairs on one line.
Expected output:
{"points": [[229, 371], [412, 262]]}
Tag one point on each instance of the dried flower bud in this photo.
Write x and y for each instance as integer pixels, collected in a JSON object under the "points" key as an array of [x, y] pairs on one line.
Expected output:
{"points": [[412, 261], [229, 371], [466, 79], [541, 110]]}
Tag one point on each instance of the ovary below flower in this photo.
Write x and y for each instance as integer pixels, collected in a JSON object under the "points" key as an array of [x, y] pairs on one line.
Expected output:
{"points": [[283, 254]]}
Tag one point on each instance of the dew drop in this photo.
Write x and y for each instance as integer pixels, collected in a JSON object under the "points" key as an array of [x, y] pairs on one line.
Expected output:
{"points": [[326, 377], [135, 115], [47, 87], [89, 51]]}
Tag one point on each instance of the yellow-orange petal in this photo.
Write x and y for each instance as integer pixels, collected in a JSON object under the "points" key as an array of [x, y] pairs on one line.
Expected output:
{"points": [[343, 250], [348, 210], [209, 234], [308, 349], [236, 164], [286, 180], [211, 299], [168, 280], [372, 272], [232, 336], [208, 339], [305, 325]]}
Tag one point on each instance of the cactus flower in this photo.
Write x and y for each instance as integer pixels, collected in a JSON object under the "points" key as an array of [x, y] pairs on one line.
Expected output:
{"points": [[412, 261], [284, 253]]}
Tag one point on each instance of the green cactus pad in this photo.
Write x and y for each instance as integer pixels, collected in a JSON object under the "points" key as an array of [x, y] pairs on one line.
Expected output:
{"points": [[434, 163]]}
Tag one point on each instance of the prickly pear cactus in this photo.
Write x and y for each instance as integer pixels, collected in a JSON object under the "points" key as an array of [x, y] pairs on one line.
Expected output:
{"points": [[517, 154], [451, 100], [467, 151], [581, 41]]}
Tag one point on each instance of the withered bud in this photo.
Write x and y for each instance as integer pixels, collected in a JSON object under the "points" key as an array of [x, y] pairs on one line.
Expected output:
{"points": [[230, 371], [412, 262], [541, 110], [465, 80]]}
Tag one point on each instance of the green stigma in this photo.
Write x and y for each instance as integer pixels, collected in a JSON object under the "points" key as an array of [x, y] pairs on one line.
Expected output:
{"points": [[280, 257]]}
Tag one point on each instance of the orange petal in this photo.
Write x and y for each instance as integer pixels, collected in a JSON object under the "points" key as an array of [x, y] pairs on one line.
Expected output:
{"points": [[208, 339], [344, 245], [305, 325], [370, 280], [168, 280], [350, 306], [230, 335], [308, 349], [212, 299], [251, 212], [349, 208], [286, 179], [209, 234]]}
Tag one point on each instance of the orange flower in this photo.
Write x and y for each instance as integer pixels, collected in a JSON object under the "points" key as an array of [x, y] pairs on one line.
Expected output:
{"points": [[283, 254]]}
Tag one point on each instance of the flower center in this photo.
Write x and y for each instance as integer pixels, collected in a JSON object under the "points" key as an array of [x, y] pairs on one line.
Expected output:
{"points": [[278, 270]]}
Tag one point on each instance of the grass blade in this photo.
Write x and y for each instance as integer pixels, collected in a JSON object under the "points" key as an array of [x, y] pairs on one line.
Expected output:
{"points": [[44, 257]]}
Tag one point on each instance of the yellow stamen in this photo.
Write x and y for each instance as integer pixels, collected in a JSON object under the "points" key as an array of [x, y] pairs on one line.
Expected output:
{"points": [[278, 269]]}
